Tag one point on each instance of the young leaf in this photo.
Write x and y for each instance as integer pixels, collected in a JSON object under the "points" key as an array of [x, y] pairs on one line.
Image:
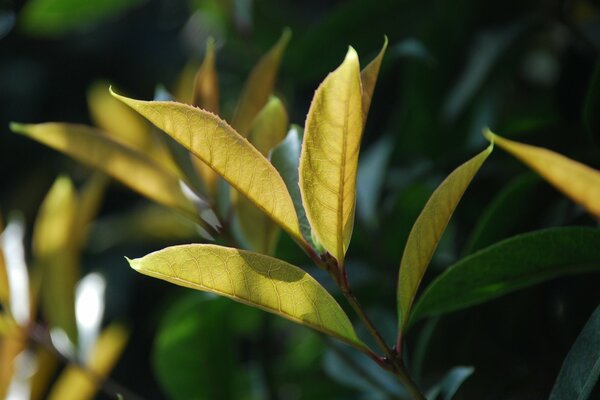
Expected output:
{"points": [[253, 279], [581, 369], [132, 168], [579, 182], [259, 85], [329, 159], [55, 253], [368, 77], [428, 229], [267, 131], [233, 157], [518, 262]]}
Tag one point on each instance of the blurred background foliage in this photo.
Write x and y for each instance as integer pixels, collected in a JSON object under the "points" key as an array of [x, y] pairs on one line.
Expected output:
{"points": [[526, 69]]}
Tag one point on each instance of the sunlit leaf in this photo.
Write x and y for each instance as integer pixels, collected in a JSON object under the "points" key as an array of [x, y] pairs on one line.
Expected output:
{"points": [[76, 384], [132, 168], [329, 160], [428, 229], [254, 279], [581, 369], [518, 262], [4, 289], [46, 366], [269, 128], [578, 181], [55, 254], [232, 156], [206, 96], [368, 77], [259, 85]]}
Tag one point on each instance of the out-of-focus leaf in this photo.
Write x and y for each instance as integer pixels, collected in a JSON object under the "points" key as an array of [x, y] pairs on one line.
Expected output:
{"points": [[54, 252], [370, 180], [578, 181], [228, 153], [76, 384], [90, 199], [206, 96], [411, 48], [46, 365], [259, 85], [591, 120], [7, 22], [4, 289], [268, 130], [329, 159], [184, 87], [58, 17], [518, 262], [504, 213], [447, 388], [132, 168], [581, 368], [254, 279], [428, 229], [368, 78]]}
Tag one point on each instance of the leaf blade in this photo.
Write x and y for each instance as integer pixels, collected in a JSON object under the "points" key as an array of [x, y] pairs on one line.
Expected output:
{"points": [[329, 158], [428, 229], [368, 78], [253, 279]]}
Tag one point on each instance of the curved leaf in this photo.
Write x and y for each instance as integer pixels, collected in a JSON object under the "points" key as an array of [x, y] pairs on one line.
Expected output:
{"points": [[233, 157], [368, 78], [578, 181], [581, 369], [518, 262], [253, 279], [132, 168], [259, 85], [428, 229], [329, 159]]}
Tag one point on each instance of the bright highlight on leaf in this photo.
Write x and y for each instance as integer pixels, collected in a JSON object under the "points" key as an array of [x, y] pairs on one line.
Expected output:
{"points": [[132, 168], [259, 85], [578, 181], [232, 156], [428, 229], [329, 160], [253, 279]]}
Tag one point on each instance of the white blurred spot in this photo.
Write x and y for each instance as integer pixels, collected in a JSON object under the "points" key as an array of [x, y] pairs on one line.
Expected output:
{"points": [[11, 241], [89, 310], [25, 365]]}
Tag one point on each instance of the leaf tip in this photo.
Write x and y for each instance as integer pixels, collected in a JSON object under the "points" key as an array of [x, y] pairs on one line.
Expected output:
{"points": [[17, 127], [135, 263], [351, 55], [489, 135], [286, 35]]}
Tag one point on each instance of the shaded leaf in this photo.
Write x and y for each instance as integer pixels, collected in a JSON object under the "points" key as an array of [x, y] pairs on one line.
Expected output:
{"points": [[447, 388], [518, 262], [368, 78], [428, 229], [578, 181], [581, 368], [232, 156], [329, 159], [259, 85], [253, 279]]}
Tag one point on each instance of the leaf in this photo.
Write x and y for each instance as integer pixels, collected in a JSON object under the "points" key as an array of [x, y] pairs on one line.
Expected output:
{"points": [[229, 154], [259, 85], [55, 253], [581, 369], [206, 96], [368, 78], [253, 279], [329, 159], [90, 200], [450, 384], [579, 182], [76, 384], [518, 262], [269, 128], [428, 229], [4, 289], [285, 157], [132, 168]]}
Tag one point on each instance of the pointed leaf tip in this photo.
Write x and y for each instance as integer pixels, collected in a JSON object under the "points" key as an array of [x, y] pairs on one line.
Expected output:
{"points": [[489, 135], [17, 127]]}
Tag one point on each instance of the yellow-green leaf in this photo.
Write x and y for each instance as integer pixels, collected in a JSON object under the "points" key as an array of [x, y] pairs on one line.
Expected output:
{"points": [[368, 77], [227, 152], [576, 180], [75, 384], [259, 85], [206, 96], [253, 279], [329, 158], [4, 289], [132, 168], [428, 229], [269, 128], [54, 252], [90, 200]]}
